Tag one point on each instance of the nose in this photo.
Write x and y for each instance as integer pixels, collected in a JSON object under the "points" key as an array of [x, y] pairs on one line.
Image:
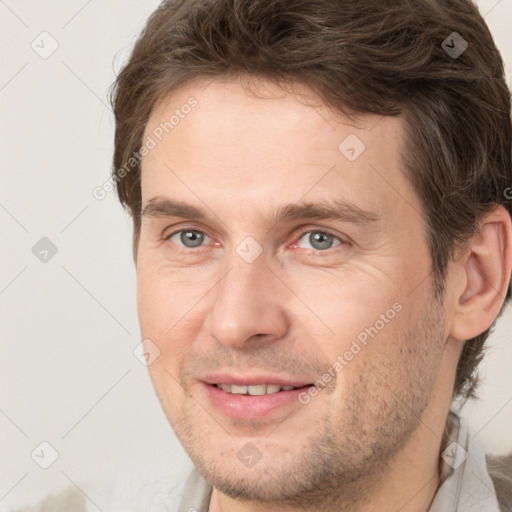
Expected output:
{"points": [[248, 305]]}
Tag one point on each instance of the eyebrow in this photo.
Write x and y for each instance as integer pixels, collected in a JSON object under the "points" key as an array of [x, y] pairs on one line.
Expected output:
{"points": [[340, 210]]}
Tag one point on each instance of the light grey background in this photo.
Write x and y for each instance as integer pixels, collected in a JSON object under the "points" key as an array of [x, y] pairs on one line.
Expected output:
{"points": [[68, 326]]}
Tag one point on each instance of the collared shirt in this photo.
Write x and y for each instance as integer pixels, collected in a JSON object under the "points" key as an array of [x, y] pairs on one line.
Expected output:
{"points": [[465, 484]]}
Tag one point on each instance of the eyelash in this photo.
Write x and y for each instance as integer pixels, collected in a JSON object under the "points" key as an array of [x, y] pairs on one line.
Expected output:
{"points": [[297, 237], [324, 232]]}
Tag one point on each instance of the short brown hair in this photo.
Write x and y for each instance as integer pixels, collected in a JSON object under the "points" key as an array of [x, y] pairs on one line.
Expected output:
{"points": [[390, 57]]}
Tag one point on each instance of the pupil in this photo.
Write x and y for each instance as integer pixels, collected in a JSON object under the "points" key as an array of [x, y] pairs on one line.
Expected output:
{"points": [[320, 240], [191, 238]]}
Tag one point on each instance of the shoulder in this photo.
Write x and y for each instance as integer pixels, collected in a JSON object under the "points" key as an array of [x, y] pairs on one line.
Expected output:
{"points": [[69, 499], [500, 471]]}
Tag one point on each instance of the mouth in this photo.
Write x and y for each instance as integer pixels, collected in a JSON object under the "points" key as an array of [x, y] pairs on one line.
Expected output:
{"points": [[254, 389], [247, 399]]}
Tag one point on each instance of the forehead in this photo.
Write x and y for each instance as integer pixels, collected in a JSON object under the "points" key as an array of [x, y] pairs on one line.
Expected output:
{"points": [[261, 108], [223, 139]]}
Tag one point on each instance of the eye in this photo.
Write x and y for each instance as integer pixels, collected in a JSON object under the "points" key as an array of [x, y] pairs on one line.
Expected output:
{"points": [[318, 240], [189, 238]]}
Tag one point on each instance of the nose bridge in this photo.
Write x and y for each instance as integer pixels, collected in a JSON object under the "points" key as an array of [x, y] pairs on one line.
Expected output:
{"points": [[246, 284], [246, 303]]}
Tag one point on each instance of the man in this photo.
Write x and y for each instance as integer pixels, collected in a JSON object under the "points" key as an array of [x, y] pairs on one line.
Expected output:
{"points": [[323, 242]]}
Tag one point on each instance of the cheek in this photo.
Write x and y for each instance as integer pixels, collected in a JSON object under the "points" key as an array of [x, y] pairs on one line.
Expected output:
{"points": [[171, 313], [167, 298], [341, 306]]}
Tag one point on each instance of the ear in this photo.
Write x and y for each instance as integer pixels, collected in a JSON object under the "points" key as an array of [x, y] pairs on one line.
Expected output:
{"points": [[485, 269]]}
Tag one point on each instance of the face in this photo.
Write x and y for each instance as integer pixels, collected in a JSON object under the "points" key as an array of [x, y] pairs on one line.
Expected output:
{"points": [[284, 275]]}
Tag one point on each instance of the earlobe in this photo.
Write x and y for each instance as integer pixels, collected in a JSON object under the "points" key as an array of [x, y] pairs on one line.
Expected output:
{"points": [[486, 268]]}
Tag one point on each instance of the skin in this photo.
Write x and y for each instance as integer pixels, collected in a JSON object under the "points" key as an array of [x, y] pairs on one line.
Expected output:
{"points": [[369, 441]]}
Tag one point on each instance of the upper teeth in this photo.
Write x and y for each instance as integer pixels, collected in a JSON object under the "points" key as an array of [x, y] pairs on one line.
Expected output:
{"points": [[260, 389]]}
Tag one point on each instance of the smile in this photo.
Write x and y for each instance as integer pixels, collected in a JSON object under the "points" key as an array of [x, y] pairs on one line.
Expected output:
{"points": [[254, 390]]}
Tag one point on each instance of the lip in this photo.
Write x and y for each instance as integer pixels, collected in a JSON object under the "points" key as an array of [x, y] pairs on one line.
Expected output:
{"points": [[249, 407]]}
